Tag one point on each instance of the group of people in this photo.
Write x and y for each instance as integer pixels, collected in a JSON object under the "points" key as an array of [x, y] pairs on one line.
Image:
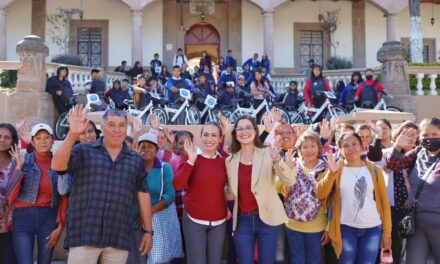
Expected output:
{"points": [[329, 186]]}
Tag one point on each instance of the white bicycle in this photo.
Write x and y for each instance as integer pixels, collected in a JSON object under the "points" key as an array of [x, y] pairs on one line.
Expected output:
{"points": [[382, 105], [209, 113], [186, 114], [147, 110], [62, 123], [301, 116], [264, 106]]}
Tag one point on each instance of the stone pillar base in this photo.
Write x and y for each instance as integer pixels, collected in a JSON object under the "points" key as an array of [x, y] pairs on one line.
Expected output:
{"points": [[406, 103], [37, 107]]}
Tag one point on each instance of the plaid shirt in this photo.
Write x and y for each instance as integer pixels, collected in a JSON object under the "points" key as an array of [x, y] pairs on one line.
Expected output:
{"points": [[102, 196]]}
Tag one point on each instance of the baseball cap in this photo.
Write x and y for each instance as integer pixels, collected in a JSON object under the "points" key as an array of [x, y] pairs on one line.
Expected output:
{"points": [[231, 84], [39, 127], [149, 137], [241, 77]]}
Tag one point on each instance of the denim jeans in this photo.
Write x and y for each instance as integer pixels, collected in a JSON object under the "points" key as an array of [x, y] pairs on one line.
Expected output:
{"points": [[251, 229], [30, 223], [360, 245], [304, 247]]}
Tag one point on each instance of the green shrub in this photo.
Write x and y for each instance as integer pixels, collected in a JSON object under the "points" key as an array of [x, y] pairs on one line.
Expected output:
{"points": [[424, 64], [426, 82], [67, 59], [8, 78], [338, 63]]}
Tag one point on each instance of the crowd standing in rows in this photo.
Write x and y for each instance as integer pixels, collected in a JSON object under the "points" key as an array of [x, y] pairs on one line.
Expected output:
{"points": [[160, 196]]}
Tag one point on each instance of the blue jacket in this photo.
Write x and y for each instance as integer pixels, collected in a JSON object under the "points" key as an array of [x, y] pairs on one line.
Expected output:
{"points": [[266, 63], [31, 182], [182, 83], [254, 64], [343, 96]]}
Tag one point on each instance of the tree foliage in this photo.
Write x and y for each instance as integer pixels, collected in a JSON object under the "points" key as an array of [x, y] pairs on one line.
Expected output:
{"points": [[329, 22], [59, 32]]}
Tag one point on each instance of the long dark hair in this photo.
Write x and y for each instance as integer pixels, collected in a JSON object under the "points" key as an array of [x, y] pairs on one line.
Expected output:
{"points": [[255, 81], [358, 74], [60, 68], [346, 135], [312, 75], [235, 145], [13, 132]]}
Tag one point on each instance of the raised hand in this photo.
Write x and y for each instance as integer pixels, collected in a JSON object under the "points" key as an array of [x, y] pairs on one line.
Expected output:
{"points": [[154, 121], [25, 134], [300, 129], [77, 120], [325, 129], [403, 141], [332, 162], [169, 134], [191, 150], [290, 158], [267, 122], [276, 114], [333, 122], [137, 126], [224, 122], [18, 156], [376, 129], [275, 149]]}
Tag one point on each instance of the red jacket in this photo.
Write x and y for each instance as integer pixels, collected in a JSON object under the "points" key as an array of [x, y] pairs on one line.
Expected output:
{"points": [[360, 88], [308, 96]]}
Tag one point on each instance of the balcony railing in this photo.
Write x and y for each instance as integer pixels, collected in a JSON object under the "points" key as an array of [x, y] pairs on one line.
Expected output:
{"points": [[78, 76]]}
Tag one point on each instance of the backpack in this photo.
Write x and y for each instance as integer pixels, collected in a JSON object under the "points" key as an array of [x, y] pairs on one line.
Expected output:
{"points": [[349, 98], [301, 202], [369, 92]]}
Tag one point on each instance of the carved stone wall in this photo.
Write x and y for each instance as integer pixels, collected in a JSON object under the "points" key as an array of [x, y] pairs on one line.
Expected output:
{"points": [[30, 98], [394, 76]]}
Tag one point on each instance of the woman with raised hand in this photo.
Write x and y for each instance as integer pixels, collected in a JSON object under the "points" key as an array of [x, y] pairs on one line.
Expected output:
{"points": [[40, 212], [307, 214], [252, 172], [361, 217], [425, 163], [8, 138], [204, 177]]}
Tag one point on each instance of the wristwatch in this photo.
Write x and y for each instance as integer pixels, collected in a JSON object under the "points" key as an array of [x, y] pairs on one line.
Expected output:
{"points": [[148, 231]]}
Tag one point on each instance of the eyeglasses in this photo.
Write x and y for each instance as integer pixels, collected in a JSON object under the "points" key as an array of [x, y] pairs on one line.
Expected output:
{"points": [[242, 129]]}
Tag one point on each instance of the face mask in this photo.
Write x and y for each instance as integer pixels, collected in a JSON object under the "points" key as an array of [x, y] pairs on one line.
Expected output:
{"points": [[369, 77], [431, 144]]}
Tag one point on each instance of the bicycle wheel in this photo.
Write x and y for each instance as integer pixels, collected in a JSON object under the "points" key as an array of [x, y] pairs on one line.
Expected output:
{"points": [[393, 109], [226, 113], [334, 111], [193, 116], [233, 118], [284, 116], [296, 118], [61, 126], [161, 115], [214, 115]]}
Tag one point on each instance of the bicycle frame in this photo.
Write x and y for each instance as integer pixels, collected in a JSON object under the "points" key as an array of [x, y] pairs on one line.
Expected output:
{"points": [[318, 111], [251, 111], [379, 106], [176, 112]]}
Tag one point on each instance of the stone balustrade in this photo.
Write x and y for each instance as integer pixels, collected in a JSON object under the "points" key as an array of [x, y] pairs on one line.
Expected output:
{"points": [[280, 82], [421, 72], [78, 76]]}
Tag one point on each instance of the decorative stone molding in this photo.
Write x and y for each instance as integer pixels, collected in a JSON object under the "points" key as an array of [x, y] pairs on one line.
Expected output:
{"points": [[32, 73]]}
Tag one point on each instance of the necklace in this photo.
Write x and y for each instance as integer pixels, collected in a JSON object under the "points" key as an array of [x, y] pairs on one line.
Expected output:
{"points": [[246, 160]]}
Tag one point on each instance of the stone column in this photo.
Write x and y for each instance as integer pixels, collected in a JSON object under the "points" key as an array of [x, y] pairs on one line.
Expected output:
{"points": [[359, 42], [38, 24], [394, 75], [137, 36], [391, 26], [30, 98], [2, 34], [268, 36]]}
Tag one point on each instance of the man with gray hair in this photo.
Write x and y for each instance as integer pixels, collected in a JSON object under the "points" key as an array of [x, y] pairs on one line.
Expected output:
{"points": [[107, 178]]}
